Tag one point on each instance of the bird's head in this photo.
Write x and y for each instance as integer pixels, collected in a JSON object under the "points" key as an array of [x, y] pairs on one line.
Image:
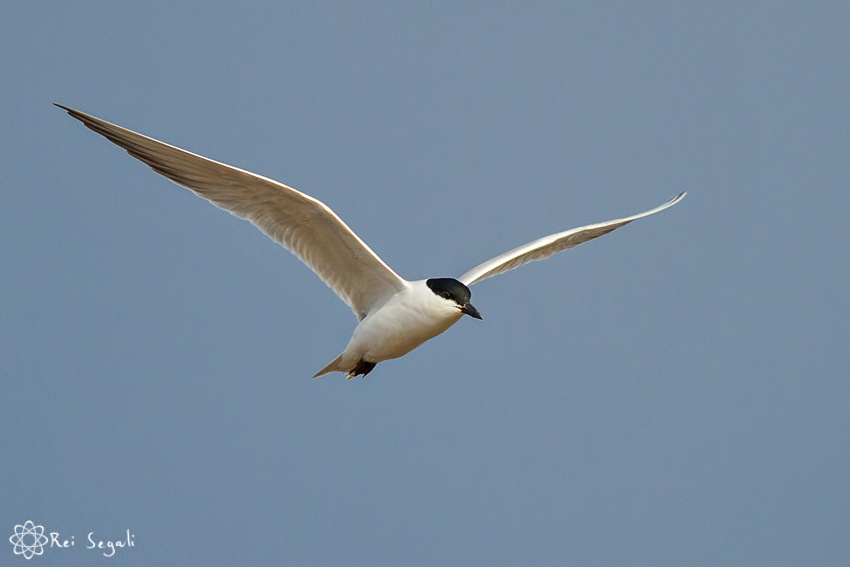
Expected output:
{"points": [[453, 290]]}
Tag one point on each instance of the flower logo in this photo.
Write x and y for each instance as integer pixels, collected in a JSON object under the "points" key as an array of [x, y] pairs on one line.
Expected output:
{"points": [[28, 539]]}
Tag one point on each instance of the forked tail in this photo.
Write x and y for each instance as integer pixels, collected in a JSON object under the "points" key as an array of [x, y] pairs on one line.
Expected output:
{"points": [[332, 367]]}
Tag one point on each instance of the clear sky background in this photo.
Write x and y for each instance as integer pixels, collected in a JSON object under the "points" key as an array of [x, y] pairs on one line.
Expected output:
{"points": [[675, 393]]}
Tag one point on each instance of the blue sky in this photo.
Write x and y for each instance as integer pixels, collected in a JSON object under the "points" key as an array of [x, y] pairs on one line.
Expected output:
{"points": [[674, 393]]}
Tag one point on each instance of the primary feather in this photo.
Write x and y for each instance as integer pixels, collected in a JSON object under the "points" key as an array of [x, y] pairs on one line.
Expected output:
{"points": [[304, 225], [544, 247]]}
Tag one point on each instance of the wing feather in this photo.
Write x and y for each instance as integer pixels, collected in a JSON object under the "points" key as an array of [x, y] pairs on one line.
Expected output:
{"points": [[544, 247], [304, 225]]}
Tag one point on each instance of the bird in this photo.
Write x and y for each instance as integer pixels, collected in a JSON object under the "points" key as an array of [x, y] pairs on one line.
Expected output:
{"points": [[394, 315]]}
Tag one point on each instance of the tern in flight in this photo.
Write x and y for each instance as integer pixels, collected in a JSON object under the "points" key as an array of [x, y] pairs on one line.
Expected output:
{"points": [[395, 315]]}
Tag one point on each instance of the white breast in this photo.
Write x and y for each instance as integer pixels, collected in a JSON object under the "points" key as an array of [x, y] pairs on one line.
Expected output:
{"points": [[405, 321]]}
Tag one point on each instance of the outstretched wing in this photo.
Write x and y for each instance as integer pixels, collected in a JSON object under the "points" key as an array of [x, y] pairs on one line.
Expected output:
{"points": [[544, 247], [301, 224]]}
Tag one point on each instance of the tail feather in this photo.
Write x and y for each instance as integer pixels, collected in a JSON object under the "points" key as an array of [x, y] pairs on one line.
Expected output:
{"points": [[332, 367]]}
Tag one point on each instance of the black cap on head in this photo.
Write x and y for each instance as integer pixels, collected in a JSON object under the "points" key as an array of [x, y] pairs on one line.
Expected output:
{"points": [[453, 290], [450, 289]]}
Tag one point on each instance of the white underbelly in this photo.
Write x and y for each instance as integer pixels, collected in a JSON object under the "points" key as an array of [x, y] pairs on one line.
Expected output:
{"points": [[395, 330]]}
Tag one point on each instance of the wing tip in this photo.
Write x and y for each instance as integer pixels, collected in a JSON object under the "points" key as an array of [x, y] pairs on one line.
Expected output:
{"points": [[81, 116], [666, 205]]}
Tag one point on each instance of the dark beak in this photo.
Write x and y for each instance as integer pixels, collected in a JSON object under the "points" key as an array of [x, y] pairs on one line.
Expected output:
{"points": [[471, 311]]}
